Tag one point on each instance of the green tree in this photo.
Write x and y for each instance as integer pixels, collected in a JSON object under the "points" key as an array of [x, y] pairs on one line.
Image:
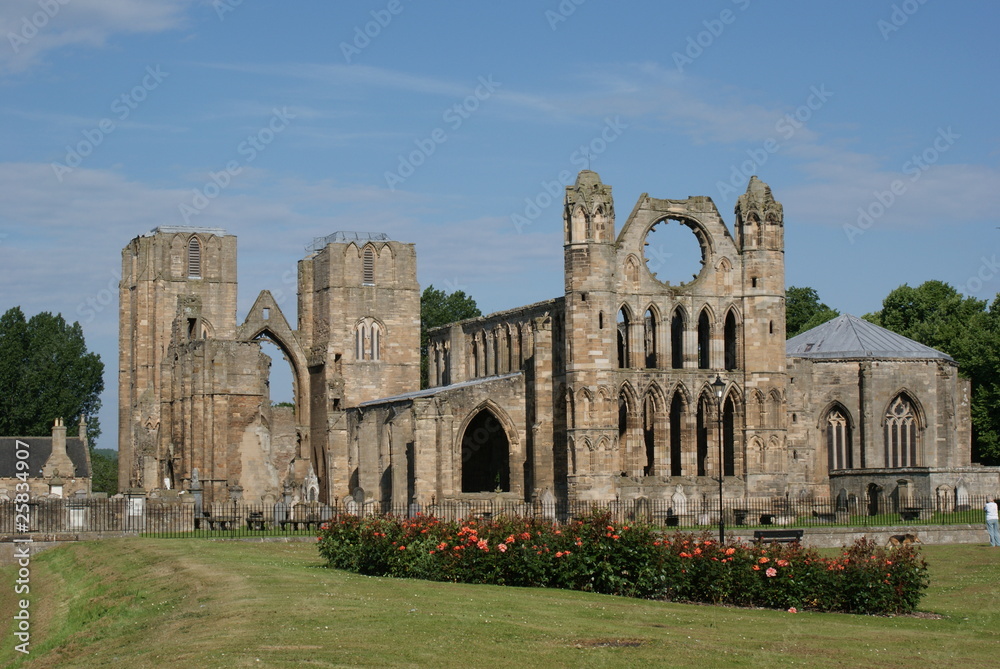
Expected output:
{"points": [[104, 466], [438, 308], [936, 314], [46, 373], [804, 311]]}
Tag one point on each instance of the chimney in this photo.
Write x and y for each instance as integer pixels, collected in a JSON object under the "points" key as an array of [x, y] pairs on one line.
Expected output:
{"points": [[59, 459]]}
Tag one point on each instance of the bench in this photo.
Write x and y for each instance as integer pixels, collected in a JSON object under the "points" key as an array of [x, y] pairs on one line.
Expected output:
{"points": [[223, 523], [308, 523], [255, 521], [777, 536]]}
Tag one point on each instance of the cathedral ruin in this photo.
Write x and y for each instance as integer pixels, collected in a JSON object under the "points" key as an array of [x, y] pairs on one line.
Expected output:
{"points": [[624, 387]]}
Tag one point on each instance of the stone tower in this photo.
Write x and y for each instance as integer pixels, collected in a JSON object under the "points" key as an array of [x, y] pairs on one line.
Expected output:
{"points": [[760, 239], [174, 279], [591, 303], [359, 323]]}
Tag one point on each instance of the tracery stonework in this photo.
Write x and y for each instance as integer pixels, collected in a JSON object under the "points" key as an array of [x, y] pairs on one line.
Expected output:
{"points": [[604, 392]]}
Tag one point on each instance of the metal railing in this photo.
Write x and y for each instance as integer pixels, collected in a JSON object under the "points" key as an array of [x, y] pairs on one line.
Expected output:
{"points": [[154, 518]]}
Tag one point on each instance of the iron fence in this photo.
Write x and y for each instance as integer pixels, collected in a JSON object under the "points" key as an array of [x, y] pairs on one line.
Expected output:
{"points": [[154, 518]]}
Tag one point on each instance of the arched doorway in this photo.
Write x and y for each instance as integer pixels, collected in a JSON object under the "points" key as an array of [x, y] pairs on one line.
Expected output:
{"points": [[485, 454]]}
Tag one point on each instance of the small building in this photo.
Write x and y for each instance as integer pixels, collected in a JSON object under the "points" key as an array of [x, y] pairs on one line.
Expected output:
{"points": [[877, 416], [57, 466]]}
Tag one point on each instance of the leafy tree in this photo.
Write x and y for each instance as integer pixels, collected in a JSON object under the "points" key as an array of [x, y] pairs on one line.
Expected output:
{"points": [[46, 373], [939, 316], [804, 311], [104, 466], [933, 313], [438, 308]]}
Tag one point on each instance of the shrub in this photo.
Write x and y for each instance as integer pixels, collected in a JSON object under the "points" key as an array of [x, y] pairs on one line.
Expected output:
{"points": [[597, 554]]}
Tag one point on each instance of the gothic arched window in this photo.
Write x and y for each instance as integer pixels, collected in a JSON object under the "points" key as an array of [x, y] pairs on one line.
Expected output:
{"points": [[194, 258], [650, 339], [901, 432], [838, 440], [677, 326], [368, 267], [704, 341], [731, 338]]}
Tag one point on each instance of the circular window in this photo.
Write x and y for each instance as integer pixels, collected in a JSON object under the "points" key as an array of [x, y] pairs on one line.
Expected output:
{"points": [[673, 252]]}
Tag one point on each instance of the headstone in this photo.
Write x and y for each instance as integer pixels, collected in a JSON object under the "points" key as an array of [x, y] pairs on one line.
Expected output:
{"points": [[280, 512], [196, 492], [679, 501], [548, 505], [642, 508]]}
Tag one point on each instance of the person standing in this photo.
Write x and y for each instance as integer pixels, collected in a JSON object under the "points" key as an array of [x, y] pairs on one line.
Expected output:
{"points": [[993, 522]]}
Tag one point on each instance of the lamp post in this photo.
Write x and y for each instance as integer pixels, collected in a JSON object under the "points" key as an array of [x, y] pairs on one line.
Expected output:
{"points": [[719, 385]]}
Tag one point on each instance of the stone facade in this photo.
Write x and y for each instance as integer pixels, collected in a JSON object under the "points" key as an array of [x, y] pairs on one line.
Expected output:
{"points": [[876, 416], [624, 387], [57, 466]]}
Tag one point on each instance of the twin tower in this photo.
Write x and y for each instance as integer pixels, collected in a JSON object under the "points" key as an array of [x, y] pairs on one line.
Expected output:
{"points": [[604, 391]]}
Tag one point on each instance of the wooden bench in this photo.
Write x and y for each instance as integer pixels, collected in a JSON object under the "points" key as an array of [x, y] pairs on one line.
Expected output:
{"points": [[307, 523], [223, 523], [915, 513], [778, 536]]}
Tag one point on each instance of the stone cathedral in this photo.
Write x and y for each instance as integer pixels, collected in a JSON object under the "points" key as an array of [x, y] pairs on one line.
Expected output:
{"points": [[624, 387]]}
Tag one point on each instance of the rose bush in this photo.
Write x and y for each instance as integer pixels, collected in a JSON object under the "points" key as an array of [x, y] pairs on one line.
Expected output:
{"points": [[597, 554]]}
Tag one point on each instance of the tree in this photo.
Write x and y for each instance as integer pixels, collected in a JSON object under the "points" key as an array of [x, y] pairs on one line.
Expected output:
{"points": [[933, 313], [46, 373], [104, 470], [804, 311], [939, 316], [438, 308]]}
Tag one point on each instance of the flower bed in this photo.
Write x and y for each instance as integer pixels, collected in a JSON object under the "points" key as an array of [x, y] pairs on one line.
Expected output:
{"points": [[595, 554]]}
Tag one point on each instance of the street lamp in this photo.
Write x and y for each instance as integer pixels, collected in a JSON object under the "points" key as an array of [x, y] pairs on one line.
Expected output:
{"points": [[719, 385]]}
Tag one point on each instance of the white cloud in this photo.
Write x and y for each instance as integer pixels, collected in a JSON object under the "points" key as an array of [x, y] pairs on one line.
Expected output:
{"points": [[32, 28]]}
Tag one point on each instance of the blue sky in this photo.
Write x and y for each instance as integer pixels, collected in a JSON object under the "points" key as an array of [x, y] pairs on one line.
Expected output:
{"points": [[116, 114]]}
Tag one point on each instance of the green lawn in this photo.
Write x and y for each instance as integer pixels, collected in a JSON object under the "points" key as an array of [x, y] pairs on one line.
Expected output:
{"points": [[193, 603]]}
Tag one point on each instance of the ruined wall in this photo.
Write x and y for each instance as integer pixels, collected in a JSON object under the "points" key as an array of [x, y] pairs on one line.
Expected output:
{"points": [[169, 274]]}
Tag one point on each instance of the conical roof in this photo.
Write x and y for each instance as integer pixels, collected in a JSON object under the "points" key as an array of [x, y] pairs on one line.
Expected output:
{"points": [[848, 336]]}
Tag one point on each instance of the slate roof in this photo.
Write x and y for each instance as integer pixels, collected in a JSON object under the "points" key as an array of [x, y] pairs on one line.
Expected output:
{"points": [[39, 450], [428, 392], [848, 336]]}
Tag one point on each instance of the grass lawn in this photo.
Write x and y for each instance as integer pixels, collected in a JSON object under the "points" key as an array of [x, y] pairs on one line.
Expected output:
{"points": [[194, 603]]}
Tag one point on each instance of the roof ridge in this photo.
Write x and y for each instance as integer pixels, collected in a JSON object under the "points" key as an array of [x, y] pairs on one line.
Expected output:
{"points": [[861, 339]]}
